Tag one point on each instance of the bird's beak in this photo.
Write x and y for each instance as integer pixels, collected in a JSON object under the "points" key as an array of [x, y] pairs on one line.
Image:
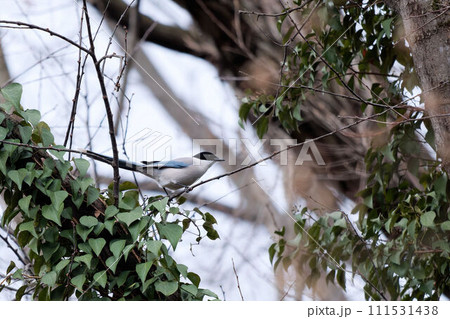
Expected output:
{"points": [[219, 159]]}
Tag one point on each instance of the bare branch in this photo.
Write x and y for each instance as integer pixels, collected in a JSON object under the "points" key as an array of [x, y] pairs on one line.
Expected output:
{"points": [[107, 107], [263, 14], [52, 33], [23, 259], [170, 37], [237, 280]]}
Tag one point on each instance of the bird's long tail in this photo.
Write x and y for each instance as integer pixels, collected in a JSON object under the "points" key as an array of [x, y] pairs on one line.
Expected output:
{"points": [[129, 165]]}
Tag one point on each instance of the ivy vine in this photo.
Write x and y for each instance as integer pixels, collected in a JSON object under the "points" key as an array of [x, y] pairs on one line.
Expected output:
{"points": [[78, 243]]}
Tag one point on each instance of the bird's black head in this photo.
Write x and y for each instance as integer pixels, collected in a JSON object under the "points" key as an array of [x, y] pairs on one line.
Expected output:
{"points": [[208, 156]]}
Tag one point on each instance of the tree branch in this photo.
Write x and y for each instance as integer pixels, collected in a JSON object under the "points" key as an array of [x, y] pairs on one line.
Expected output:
{"points": [[167, 36], [115, 163], [52, 33]]}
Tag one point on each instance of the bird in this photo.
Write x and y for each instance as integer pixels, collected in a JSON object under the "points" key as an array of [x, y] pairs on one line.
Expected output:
{"points": [[173, 174]]}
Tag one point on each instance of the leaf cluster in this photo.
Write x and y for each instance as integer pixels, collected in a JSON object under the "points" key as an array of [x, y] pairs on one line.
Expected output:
{"points": [[399, 244], [343, 44], [79, 244]]}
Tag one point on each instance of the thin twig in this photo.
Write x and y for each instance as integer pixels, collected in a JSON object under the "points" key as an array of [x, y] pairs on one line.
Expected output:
{"points": [[263, 14], [80, 74], [52, 33], [287, 291], [107, 107], [15, 251], [237, 280], [42, 148]]}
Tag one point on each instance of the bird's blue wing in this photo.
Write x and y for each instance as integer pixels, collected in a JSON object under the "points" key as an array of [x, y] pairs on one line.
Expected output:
{"points": [[170, 164]]}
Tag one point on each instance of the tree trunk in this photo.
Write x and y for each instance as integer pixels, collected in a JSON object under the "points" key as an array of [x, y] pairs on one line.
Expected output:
{"points": [[427, 26]]}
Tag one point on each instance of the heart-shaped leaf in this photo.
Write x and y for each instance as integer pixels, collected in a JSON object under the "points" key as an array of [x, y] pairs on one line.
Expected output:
{"points": [[97, 245]]}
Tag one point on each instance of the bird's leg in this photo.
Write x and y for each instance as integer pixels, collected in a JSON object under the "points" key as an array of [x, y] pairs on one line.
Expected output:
{"points": [[165, 190]]}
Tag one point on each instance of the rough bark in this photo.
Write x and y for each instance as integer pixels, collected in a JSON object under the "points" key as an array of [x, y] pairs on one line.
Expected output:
{"points": [[427, 26]]}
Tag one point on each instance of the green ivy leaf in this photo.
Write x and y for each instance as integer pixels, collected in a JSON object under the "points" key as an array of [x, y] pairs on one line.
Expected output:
{"points": [[97, 245], [83, 231], [154, 246], [161, 205], [99, 228], [49, 278], [63, 167], [143, 269], [189, 289], [24, 204], [79, 281], [18, 274], [47, 136], [92, 195], [209, 293], [427, 287], [50, 213], [77, 199], [166, 287], [25, 133], [18, 177], [12, 93], [116, 246], [120, 280], [62, 264], [194, 278], [125, 186], [82, 165], [183, 269], [59, 155], [32, 116], [88, 221], [101, 278], [86, 259], [109, 225], [445, 225], [111, 211], [3, 131], [58, 199], [171, 232], [111, 263], [48, 249], [29, 227], [129, 217], [84, 247], [427, 219], [85, 183], [127, 250]]}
